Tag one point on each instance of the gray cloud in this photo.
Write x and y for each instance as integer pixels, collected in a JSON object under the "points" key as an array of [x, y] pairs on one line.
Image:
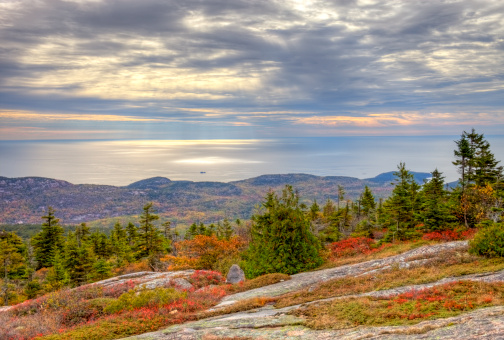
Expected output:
{"points": [[328, 58]]}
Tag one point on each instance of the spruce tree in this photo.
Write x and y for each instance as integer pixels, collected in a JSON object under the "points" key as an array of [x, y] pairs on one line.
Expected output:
{"points": [[434, 212], [281, 238], [463, 155], [57, 275], [367, 201], [191, 232], [11, 261], [79, 259], [150, 241], [49, 240], [224, 230], [403, 203]]}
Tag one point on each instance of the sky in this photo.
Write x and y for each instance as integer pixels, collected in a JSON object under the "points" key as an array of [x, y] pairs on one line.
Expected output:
{"points": [[170, 69]]}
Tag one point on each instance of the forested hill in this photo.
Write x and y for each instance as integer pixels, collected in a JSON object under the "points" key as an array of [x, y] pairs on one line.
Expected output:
{"points": [[25, 200]]}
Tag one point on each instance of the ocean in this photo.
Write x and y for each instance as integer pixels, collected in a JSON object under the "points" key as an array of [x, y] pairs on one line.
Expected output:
{"points": [[121, 162]]}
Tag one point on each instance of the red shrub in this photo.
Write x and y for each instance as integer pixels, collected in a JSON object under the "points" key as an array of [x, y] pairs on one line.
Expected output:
{"points": [[449, 235], [352, 246], [202, 278]]}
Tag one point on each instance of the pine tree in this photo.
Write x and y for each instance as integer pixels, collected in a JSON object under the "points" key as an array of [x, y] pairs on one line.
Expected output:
{"points": [[101, 244], [191, 232], [49, 240], [328, 209], [11, 260], [464, 155], [434, 212], [341, 194], [150, 241], [281, 238], [82, 233], [367, 201], [57, 275], [224, 230], [79, 259], [314, 211], [132, 238], [403, 203], [101, 270], [120, 246]]}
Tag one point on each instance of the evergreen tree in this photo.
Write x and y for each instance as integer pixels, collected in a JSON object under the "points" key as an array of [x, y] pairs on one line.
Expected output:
{"points": [[79, 259], [11, 261], [314, 211], [476, 162], [434, 212], [210, 230], [224, 230], [169, 236], [82, 234], [191, 232], [403, 203], [328, 209], [367, 201], [101, 244], [132, 239], [57, 275], [49, 240], [101, 270], [120, 246], [281, 238], [202, 230], [150, 241], [341, 194]]}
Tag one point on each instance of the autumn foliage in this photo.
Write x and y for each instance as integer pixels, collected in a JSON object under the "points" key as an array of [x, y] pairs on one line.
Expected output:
{"points": [[203, 252], [449, 235], [352, 246]]}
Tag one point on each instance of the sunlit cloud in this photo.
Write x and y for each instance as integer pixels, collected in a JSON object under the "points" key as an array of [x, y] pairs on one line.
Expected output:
{"points": [[23, 115], [377, 120], [193, 69]]}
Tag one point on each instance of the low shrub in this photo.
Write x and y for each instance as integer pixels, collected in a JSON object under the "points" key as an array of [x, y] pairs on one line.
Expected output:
{"points": [[489, 241], [134, 299], [449, 235], [351, 246], [116, 290], [202, 278], [410, 307], [84, 311]]}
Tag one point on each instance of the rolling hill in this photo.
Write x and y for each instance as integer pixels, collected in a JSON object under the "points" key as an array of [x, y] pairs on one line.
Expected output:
{"points": [[25, 200]]}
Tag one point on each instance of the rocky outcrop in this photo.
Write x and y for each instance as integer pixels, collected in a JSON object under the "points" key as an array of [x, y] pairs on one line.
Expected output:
{"points": [[311, 279], [271, 323], [147, 280]]}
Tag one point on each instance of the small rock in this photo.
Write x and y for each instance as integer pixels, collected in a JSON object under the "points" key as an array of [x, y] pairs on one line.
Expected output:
{"points": [[182, 284], [235, 275]]}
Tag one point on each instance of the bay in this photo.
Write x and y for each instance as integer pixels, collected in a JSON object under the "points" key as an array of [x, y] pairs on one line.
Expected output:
{"points": [[121, 162]]}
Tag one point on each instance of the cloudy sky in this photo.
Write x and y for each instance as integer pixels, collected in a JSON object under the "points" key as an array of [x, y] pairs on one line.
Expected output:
{"points": [[170, 69]]}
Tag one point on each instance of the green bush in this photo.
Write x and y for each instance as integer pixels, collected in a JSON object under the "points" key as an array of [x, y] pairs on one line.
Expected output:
{"points": [[134, 299], [489, 240]]}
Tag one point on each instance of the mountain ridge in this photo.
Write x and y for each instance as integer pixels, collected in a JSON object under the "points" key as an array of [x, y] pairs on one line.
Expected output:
{"points": [[25, 199]]}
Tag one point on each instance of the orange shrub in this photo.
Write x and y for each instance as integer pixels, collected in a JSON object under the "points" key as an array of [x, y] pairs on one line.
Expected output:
{"points": [[203, 252]]}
